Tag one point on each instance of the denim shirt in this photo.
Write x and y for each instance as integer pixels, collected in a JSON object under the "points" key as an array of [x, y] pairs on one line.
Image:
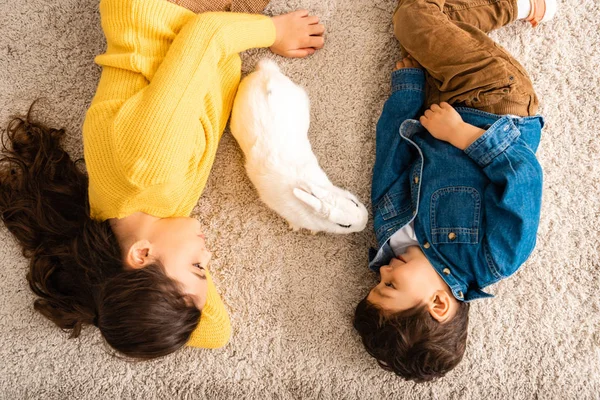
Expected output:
{"points": [[476, 212]]}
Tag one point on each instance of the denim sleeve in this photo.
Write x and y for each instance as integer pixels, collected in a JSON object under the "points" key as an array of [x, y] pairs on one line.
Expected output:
{"points": [[512, 199], [405, 102]]}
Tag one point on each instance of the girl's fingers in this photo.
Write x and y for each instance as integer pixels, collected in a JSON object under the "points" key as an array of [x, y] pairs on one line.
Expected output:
{"points": [[316, 42], [443, 104], [313, 19], [300, 13], [435, 107], [428, 113], [317, 29], [423, 120], [300, 53]]}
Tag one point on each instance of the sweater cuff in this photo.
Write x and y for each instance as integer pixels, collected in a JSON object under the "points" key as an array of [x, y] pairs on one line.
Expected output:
{"points": [[214, 328], [241, 32]]}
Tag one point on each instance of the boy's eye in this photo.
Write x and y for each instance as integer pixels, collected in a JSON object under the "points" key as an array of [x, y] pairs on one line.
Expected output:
{"points": [[198, 265], [388, 284]]}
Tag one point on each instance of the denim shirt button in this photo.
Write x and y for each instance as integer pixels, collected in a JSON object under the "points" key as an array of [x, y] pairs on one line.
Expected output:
{"points": [[416, 180], [460, 295], [426, 245], [452, 236], [446, 271]]}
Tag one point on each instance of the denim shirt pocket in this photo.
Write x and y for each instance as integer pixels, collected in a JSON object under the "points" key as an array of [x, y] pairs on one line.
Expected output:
{"points": [[455, 215], [393, 204]]}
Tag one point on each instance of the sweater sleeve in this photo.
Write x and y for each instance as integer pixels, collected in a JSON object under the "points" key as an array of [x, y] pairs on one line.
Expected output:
{"points": [[214, 329], [152, 135]]}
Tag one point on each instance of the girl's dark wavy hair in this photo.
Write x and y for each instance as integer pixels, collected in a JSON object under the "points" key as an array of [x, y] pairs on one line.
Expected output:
{"points": [[75, 262]]}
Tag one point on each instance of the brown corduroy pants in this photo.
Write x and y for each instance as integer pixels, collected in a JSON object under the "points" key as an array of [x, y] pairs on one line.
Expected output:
{"points": [[241, 6], [464, 65]]}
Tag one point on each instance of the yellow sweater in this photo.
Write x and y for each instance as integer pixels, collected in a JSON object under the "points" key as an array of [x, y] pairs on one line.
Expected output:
{"points": [[169, 78]]}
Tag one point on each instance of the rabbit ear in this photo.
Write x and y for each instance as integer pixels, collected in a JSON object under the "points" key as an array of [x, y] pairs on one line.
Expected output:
{"points": [[319, 192], [311, 201]]}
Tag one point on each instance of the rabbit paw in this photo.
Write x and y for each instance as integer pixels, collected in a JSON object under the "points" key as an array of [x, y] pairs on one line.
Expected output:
{"points": [[293, 227]]}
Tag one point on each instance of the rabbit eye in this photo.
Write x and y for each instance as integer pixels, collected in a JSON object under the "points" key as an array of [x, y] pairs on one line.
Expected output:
{"points": [[345, 226]]}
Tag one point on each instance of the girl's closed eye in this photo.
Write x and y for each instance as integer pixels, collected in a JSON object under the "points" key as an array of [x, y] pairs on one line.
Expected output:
{"points": [[199, 266], [389, 284]]}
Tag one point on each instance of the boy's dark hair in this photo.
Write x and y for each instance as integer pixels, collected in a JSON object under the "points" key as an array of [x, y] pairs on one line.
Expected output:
{"points": [[75, 262], [412, 343]]}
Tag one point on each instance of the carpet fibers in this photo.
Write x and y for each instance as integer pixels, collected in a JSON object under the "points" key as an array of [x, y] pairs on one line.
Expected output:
{"points": [[291, 296]]}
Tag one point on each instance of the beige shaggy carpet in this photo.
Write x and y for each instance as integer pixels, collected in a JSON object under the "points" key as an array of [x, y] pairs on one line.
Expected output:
{"points": [[291, 296]]}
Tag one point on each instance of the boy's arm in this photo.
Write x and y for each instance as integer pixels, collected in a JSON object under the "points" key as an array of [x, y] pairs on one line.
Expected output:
{"points": [[513, 198], [405, 102]]}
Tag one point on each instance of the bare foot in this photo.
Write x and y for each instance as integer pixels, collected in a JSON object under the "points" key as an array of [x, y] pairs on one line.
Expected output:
{"points": [[407, 62], [298, 34]]}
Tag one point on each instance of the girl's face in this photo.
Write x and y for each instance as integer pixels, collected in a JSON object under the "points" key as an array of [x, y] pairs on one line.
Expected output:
{"points": [[180, 246]]}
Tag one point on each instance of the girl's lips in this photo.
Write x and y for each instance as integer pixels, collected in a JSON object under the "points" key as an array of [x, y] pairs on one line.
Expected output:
{"points": [[401, 259]]}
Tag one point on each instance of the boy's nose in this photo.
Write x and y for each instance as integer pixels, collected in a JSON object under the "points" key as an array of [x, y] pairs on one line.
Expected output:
{"points": [[385, 269]]}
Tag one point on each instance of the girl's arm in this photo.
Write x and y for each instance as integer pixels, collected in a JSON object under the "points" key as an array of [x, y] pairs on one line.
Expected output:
{"points": [[152, 124]]}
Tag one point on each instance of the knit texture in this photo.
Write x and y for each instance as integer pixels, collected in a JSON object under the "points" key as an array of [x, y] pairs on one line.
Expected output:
{"points": [[214, 329], [243, 6], [165, 94]]}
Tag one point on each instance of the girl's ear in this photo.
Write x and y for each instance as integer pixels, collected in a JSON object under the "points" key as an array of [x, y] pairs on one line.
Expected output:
{"points": [[442, 306], [138, 255]]}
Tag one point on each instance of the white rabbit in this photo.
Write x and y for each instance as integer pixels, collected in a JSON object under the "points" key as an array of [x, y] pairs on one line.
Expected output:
{"points": [[270, 121]]}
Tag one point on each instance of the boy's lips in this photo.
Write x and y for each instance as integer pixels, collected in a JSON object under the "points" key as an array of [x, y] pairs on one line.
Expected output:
{"points": [[401, 259]]}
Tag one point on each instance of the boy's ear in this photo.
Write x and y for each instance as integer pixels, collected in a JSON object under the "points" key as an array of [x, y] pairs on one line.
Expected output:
{"points": [[138, 255], [442, 306]]}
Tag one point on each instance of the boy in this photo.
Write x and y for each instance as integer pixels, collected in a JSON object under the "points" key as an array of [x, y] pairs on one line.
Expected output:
{"points": [[457, 194]]}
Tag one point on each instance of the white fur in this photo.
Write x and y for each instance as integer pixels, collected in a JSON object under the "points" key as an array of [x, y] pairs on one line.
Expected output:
{"points": [[270, 121]]}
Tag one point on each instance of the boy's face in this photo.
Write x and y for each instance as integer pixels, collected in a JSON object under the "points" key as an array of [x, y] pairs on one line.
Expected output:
{"points": [[409, 281]]}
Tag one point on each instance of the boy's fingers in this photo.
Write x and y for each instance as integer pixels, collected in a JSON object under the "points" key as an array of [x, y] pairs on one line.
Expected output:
{"points": [[443, 104], [423, 120], [317, 29], [435, 107], [428, 113]]}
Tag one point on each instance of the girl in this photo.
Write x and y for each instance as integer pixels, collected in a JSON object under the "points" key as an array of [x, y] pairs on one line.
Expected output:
{"points": [[116, 248]]}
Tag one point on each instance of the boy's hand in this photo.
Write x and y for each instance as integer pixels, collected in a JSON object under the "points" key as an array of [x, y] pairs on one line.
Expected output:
{"points": [[298, 34], [444, 123]]}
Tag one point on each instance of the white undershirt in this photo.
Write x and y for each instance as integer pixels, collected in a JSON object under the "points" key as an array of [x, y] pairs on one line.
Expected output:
{"points": [[403, 238]]}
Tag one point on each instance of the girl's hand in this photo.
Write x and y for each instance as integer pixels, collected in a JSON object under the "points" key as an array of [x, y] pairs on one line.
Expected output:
{"points": [[298, 34], [445, 123]]}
